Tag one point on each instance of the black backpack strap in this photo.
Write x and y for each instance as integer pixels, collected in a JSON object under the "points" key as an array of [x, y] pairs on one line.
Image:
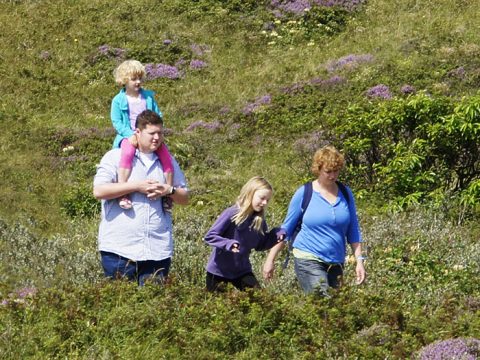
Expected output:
{"points": [[344, 191], [307, 196]]}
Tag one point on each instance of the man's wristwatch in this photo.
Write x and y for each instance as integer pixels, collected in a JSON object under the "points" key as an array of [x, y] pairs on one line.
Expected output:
{"points": [[173, 189]]}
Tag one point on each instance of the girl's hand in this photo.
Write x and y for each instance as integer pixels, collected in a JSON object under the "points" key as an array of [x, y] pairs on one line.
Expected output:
{"points": [[133, 140], [235, 248], [281, 235], [268, 270]]}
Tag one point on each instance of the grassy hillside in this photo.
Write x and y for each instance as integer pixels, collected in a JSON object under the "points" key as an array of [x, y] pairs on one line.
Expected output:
{"points": [[247, 88]]}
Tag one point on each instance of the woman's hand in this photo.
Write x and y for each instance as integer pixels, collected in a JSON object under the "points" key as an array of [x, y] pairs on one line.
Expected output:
{"points": [[268, 270], [281, 235], [360, 271]]}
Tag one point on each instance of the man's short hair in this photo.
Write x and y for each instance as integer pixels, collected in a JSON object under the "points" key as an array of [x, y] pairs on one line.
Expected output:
{"points": [[148, 117]]}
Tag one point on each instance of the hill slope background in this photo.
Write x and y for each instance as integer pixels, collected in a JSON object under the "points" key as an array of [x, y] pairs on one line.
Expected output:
{"points": [[247, 88]]}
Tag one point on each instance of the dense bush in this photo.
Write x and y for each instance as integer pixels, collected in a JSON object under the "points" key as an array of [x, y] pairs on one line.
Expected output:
{"points": [[415, 148]]}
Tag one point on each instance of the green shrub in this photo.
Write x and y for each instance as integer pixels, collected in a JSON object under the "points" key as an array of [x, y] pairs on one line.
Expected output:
{"points": [[78, 201], [408, 149]]}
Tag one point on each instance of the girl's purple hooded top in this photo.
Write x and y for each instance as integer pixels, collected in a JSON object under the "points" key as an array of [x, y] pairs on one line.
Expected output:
{"points": [[224, 233]]}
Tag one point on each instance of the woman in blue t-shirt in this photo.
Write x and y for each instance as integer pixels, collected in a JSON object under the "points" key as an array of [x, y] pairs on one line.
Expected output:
{"points": [[329, 222]]}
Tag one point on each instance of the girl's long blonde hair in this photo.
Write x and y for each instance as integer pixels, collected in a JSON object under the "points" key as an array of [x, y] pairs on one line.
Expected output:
{"points": [[244, 202]]}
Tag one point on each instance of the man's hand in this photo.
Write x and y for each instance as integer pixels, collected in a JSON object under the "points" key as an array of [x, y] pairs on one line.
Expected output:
{"points": [[158, 190]]}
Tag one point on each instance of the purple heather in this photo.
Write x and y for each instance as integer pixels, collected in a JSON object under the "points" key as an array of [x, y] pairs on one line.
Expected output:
{"points": [[251, 107], [459, 348], [197, 64], [407, 89], [199, 49], [299, 7], [107, 50], [203, 125], [379, 91], [349, 62], [155, 71]]}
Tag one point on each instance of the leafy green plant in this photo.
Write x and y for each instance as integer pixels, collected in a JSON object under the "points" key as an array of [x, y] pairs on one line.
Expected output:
{"points": [[79, 202], [409, 148]]}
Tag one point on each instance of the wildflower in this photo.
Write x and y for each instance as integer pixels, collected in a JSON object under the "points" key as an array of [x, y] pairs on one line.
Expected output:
{"points": [[167, 42], [295, 7], [155, 71], [380, 91], [103, 49], [332, 81], [108, 51], [294, 88], [199, 49], [201, 124], [19, 296], [349, 62], [180, 62], [300, 7], [224, 110], [251, 107], [457, 73], [309, 144], [458, 267], [459, 348], [68, 148], [349, 5], [197, 64], [407, 89]]}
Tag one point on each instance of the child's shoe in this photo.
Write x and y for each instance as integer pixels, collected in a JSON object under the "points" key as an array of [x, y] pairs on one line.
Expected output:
{"points": [[125, 203], [167, 204]]}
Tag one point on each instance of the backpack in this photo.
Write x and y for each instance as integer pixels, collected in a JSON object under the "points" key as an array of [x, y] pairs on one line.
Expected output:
{"points": [[307, 196]]}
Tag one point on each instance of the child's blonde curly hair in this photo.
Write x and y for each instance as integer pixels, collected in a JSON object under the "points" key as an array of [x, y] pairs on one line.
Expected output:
{"points": [[128, 69]]}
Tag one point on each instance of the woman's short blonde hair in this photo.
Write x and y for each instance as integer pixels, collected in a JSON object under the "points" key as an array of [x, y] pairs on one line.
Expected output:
{"points": [[128, 69], [329, 158]]}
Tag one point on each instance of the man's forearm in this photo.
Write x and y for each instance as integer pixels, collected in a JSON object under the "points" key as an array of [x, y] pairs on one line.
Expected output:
{"points": [[181, 196], [114, 190]]}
